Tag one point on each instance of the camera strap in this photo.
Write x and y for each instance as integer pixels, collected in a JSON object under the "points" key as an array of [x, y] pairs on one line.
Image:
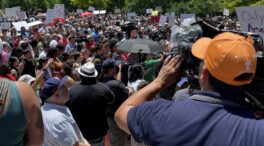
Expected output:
{"points": [[213, 100]]}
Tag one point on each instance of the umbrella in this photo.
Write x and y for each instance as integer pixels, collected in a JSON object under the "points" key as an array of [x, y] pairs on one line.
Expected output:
{"points": [[140, 46], [86, 14]]}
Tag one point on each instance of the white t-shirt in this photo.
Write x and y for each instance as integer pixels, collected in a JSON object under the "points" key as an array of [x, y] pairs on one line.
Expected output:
{"points": [[60, 129]]}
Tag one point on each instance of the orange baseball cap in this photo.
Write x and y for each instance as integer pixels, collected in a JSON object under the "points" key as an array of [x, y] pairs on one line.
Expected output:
{"points": [[227, 57]]}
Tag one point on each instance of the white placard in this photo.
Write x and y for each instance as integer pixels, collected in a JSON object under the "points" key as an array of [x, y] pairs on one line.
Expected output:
{"points": [[186, 16], [20, 24], [226, 12], [102, 11], [172, 14], [17, 9], [91, 8], [79, 11], [251, 19], [131, 15], [21, 15], [148, 11], [117, 11], [163, 20], [50, 15], [34, 23], [167, 14], [172, 20], [10, 12], [96, 12], [5, 25], [59, 11]]}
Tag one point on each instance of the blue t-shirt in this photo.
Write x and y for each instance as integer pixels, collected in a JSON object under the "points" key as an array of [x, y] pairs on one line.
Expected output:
{"points": [[194, 123], [95, 36]]}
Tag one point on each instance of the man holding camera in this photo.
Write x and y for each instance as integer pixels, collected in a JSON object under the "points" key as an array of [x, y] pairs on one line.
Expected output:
{"points": [[211, 117]]}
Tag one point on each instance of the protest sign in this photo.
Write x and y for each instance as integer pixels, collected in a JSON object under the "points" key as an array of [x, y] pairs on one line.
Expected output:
{"points": [[20, 24], [226, 12], [117, 11], [91, 8], [148, 11], [5, 25], [34, 23], [163, 20], [96, 12], [186, 16], [79, 11], [172, 14], [155, 13], [131, 15], [102, 11], [21, 15], [159, 8], [251, 19], [59, 11], [17, 9], [167, 14], [172, 20], [10, 12], [50, 15]]}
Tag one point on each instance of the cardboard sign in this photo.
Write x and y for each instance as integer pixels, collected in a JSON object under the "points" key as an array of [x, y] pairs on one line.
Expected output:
{"points": [[91, 8], [155, 13], [149, 11], [79, 11], [21, 15], [251, 19], [163, 20], [226, 12], [59, 11], [186, 16], [5, 25], [50, 15], [20, 24]]}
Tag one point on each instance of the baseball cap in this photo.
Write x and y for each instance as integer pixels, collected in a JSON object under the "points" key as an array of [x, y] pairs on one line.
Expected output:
{"points": [[27, 79], [227, 57], [51, 86], [109, 63]]}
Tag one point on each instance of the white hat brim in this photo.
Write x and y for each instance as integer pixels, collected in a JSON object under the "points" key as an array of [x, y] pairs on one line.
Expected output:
{"points": [[84, 75]]}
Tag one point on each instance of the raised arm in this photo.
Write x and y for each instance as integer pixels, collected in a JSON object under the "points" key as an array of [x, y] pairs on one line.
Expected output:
{"points": [[167, 75]]}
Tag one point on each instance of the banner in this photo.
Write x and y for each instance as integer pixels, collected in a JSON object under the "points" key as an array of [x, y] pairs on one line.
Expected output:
{"points": [[251, 19]]}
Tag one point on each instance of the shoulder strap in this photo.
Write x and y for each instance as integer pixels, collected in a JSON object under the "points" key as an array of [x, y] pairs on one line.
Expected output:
{"points": [[4, 92]]}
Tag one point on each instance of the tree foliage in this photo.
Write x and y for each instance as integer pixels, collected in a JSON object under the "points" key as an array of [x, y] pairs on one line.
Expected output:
{"points": [[199, 7]]}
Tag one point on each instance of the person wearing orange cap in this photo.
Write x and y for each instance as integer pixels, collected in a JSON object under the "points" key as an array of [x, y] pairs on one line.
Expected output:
{"points": [[211, 117]]}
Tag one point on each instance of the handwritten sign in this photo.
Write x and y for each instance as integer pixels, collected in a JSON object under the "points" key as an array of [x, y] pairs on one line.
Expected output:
{"points": [[251, 19], [59, 11]]}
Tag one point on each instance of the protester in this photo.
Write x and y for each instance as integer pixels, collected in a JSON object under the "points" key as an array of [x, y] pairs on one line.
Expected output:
{"points": [[215, 113], [20, 118], [60, 127], [88, 102]]}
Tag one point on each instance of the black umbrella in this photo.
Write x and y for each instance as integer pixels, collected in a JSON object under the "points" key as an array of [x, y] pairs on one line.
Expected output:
{"points": [[140, 46]]}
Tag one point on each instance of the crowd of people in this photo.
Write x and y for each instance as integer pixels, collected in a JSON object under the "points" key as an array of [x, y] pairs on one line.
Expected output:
{"points": [[67, 83]]}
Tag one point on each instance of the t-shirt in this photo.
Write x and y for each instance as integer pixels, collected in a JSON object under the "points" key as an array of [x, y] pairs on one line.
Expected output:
{"points": [[60, 128], [192, 123], [88, 105], [149, 66]]}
